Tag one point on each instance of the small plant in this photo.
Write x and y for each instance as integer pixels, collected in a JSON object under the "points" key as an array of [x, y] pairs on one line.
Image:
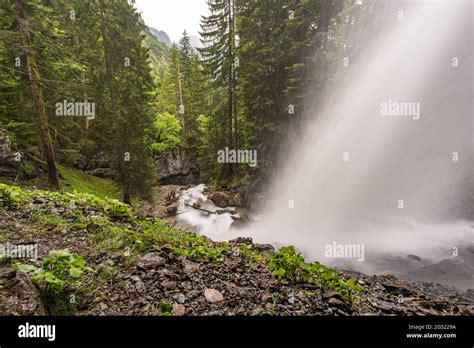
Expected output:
{"points": [[60, 268], [11, 196], [117, 209], [331, 279], [287, 263], [249, 252], [165, 308]]}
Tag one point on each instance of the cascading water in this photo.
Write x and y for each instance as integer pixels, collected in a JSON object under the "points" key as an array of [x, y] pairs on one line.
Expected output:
{"points": [[206, 220], [364, 176], [384, 170]]}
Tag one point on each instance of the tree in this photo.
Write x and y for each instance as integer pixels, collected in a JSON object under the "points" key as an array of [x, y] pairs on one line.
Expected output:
{"points": [[129, 83], [167, 132], [186, 54], [218, 32], [37, 93]]}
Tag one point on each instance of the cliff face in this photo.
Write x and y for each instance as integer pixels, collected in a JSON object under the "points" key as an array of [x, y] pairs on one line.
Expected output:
{"points": [[177, 167], [8, 165]]}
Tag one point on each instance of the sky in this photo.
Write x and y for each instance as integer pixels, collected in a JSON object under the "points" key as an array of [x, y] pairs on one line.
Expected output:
{"points": [[173, 16]]}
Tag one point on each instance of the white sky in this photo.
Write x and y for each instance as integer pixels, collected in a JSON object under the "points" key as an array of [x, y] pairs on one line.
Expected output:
{"points": [[173, 16]]}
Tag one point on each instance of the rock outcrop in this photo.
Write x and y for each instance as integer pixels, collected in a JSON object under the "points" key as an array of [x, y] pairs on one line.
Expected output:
{"points": [[177, 167], [19, 296], [8, 164]]}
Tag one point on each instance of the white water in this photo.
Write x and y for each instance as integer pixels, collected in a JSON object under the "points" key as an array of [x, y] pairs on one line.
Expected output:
{"points": [[390, 158], [211, 225]]}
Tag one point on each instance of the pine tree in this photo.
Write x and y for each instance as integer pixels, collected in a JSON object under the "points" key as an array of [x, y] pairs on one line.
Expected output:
{"points": [[129, 83], [218, 32], [37, 92]]}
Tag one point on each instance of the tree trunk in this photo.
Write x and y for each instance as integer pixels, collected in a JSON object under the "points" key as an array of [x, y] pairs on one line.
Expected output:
{"points": [[231, 88], [122, 165], [53, 176], [183, 122]]}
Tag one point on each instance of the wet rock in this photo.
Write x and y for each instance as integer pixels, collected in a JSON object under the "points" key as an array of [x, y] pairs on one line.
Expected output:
{"points": [[264, 247], [220, 199], [213, 295], [242, 240], [237, 200], [172, 209], [150, 260], [413, 257], [397, 290], [227, 210]]}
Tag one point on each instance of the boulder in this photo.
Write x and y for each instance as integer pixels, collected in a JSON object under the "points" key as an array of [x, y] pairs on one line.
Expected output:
{"points": [[19, 296], [178, 309], [213, 295], [242, 240], [172, 209], [265, 247], [150, 261], [221, 199], [238, 201]]}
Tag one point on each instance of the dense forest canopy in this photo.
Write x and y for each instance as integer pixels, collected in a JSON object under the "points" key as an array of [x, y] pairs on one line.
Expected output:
{"points": [[246, 88]]}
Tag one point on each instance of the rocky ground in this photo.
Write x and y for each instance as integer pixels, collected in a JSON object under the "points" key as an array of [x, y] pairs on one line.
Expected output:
{"points": [[152, 281]]}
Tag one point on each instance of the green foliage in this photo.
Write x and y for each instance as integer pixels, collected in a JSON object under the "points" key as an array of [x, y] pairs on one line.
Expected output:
{"points": [[167, 132], [28, 169], [49, 221], [12, 196], [289, 264], [165, 307], [59, 269], [249, 252], [117, 209], [331, 279], [76, 180], [209, 133]]}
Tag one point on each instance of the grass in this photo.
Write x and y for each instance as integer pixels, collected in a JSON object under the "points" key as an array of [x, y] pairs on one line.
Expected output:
{"points": [[74, 179]]}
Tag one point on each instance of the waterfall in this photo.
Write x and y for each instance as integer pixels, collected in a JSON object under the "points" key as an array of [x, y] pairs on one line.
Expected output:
{"points": [[387, 163]]}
